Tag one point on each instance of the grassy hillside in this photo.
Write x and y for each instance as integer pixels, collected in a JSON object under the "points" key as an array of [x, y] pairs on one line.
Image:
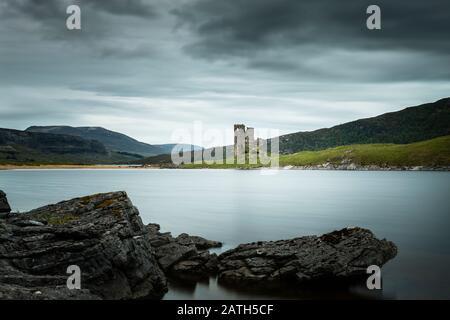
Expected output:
{"points": [[409, 125], [18, 155], [430, 153], [435, 152], [112, 140], [23, 147]]}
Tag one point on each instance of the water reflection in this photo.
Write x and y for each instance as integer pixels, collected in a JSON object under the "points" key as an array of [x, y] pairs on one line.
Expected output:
{"points": [[211, 288], [409, 208]]}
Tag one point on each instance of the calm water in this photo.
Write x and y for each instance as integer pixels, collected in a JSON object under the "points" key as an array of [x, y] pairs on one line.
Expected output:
{"points": [[410, 208]]}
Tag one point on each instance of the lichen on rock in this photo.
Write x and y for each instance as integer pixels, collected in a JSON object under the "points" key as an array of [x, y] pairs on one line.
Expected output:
{"points": [[335, 256], [102, 234]]}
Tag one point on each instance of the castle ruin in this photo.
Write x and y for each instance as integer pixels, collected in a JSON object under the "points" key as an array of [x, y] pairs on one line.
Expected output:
{"points": [[244, 143]]}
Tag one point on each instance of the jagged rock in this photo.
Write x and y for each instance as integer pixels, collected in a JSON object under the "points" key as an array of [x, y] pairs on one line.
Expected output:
{"points": [[185, 255], [102, 234], [202, 264], [338, 255], [4, 205], [15, 292], [120, 258], [171, 253], [199, 242]]}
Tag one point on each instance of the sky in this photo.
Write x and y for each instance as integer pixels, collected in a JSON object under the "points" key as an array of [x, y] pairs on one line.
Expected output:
{"points": [[149, 68]]}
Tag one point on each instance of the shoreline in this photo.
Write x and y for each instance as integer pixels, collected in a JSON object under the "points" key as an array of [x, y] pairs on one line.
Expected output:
{"points": [[69, 166], [368, 168], [289, 167]]}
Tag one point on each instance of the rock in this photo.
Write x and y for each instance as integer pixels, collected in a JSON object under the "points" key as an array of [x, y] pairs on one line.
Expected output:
{"points": [[352, 166], [199, 242], [15, 292], [153, 228], [185, 256], [339, 255], [202, 264], [4, 205], [171, 253], [120, 258], [102, 234], [29, 223]]}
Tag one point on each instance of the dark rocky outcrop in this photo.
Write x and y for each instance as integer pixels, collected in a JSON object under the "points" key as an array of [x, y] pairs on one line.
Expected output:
{"points": [[120, 258], [102, 234], [339, 255], [4, 205], [184, 256]]}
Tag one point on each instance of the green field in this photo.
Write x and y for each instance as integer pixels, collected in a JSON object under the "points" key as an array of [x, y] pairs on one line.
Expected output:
{"points": [[434, 152], [430, 153]]}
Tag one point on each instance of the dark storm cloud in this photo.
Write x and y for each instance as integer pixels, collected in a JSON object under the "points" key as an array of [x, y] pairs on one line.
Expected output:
{"points": [[124, 7], [236, 26], [52, 9], [103, 34], [252, 28], [148, 67]]}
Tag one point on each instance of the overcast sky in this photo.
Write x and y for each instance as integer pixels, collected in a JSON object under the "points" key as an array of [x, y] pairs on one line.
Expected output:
{"points": [[148, 67]]}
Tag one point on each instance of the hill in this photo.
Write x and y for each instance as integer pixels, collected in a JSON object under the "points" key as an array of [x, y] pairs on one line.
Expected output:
{"points": [[167, 148], [429, 153], [412, 124], [114, 141], [434, 153], [25, 147]]}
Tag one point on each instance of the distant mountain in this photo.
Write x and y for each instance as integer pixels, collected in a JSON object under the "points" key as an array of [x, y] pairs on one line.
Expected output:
{"points": [[412, 124], [167, 148], [114, 141], [38, 147], [63, 144]]}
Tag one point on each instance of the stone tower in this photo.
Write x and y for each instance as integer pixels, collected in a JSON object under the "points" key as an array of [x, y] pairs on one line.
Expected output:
{"points": [[244, 141]]}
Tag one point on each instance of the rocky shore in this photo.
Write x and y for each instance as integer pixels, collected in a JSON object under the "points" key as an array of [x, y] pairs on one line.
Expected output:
{"points": [[357, 167], [4, 205], [102, 234], [121, 258], [184, 256], [339, 255]]}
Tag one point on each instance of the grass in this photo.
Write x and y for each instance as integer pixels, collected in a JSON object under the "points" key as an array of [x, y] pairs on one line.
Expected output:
{"points": [[434, 152], [429, 153], [199, 165], [226, 165], [104, 204], [55, 219]]}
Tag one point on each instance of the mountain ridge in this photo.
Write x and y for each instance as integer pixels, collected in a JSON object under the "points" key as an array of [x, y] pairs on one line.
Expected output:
{"points": [[25, 147], [411, 124], [114, 141], [65, 144]]}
